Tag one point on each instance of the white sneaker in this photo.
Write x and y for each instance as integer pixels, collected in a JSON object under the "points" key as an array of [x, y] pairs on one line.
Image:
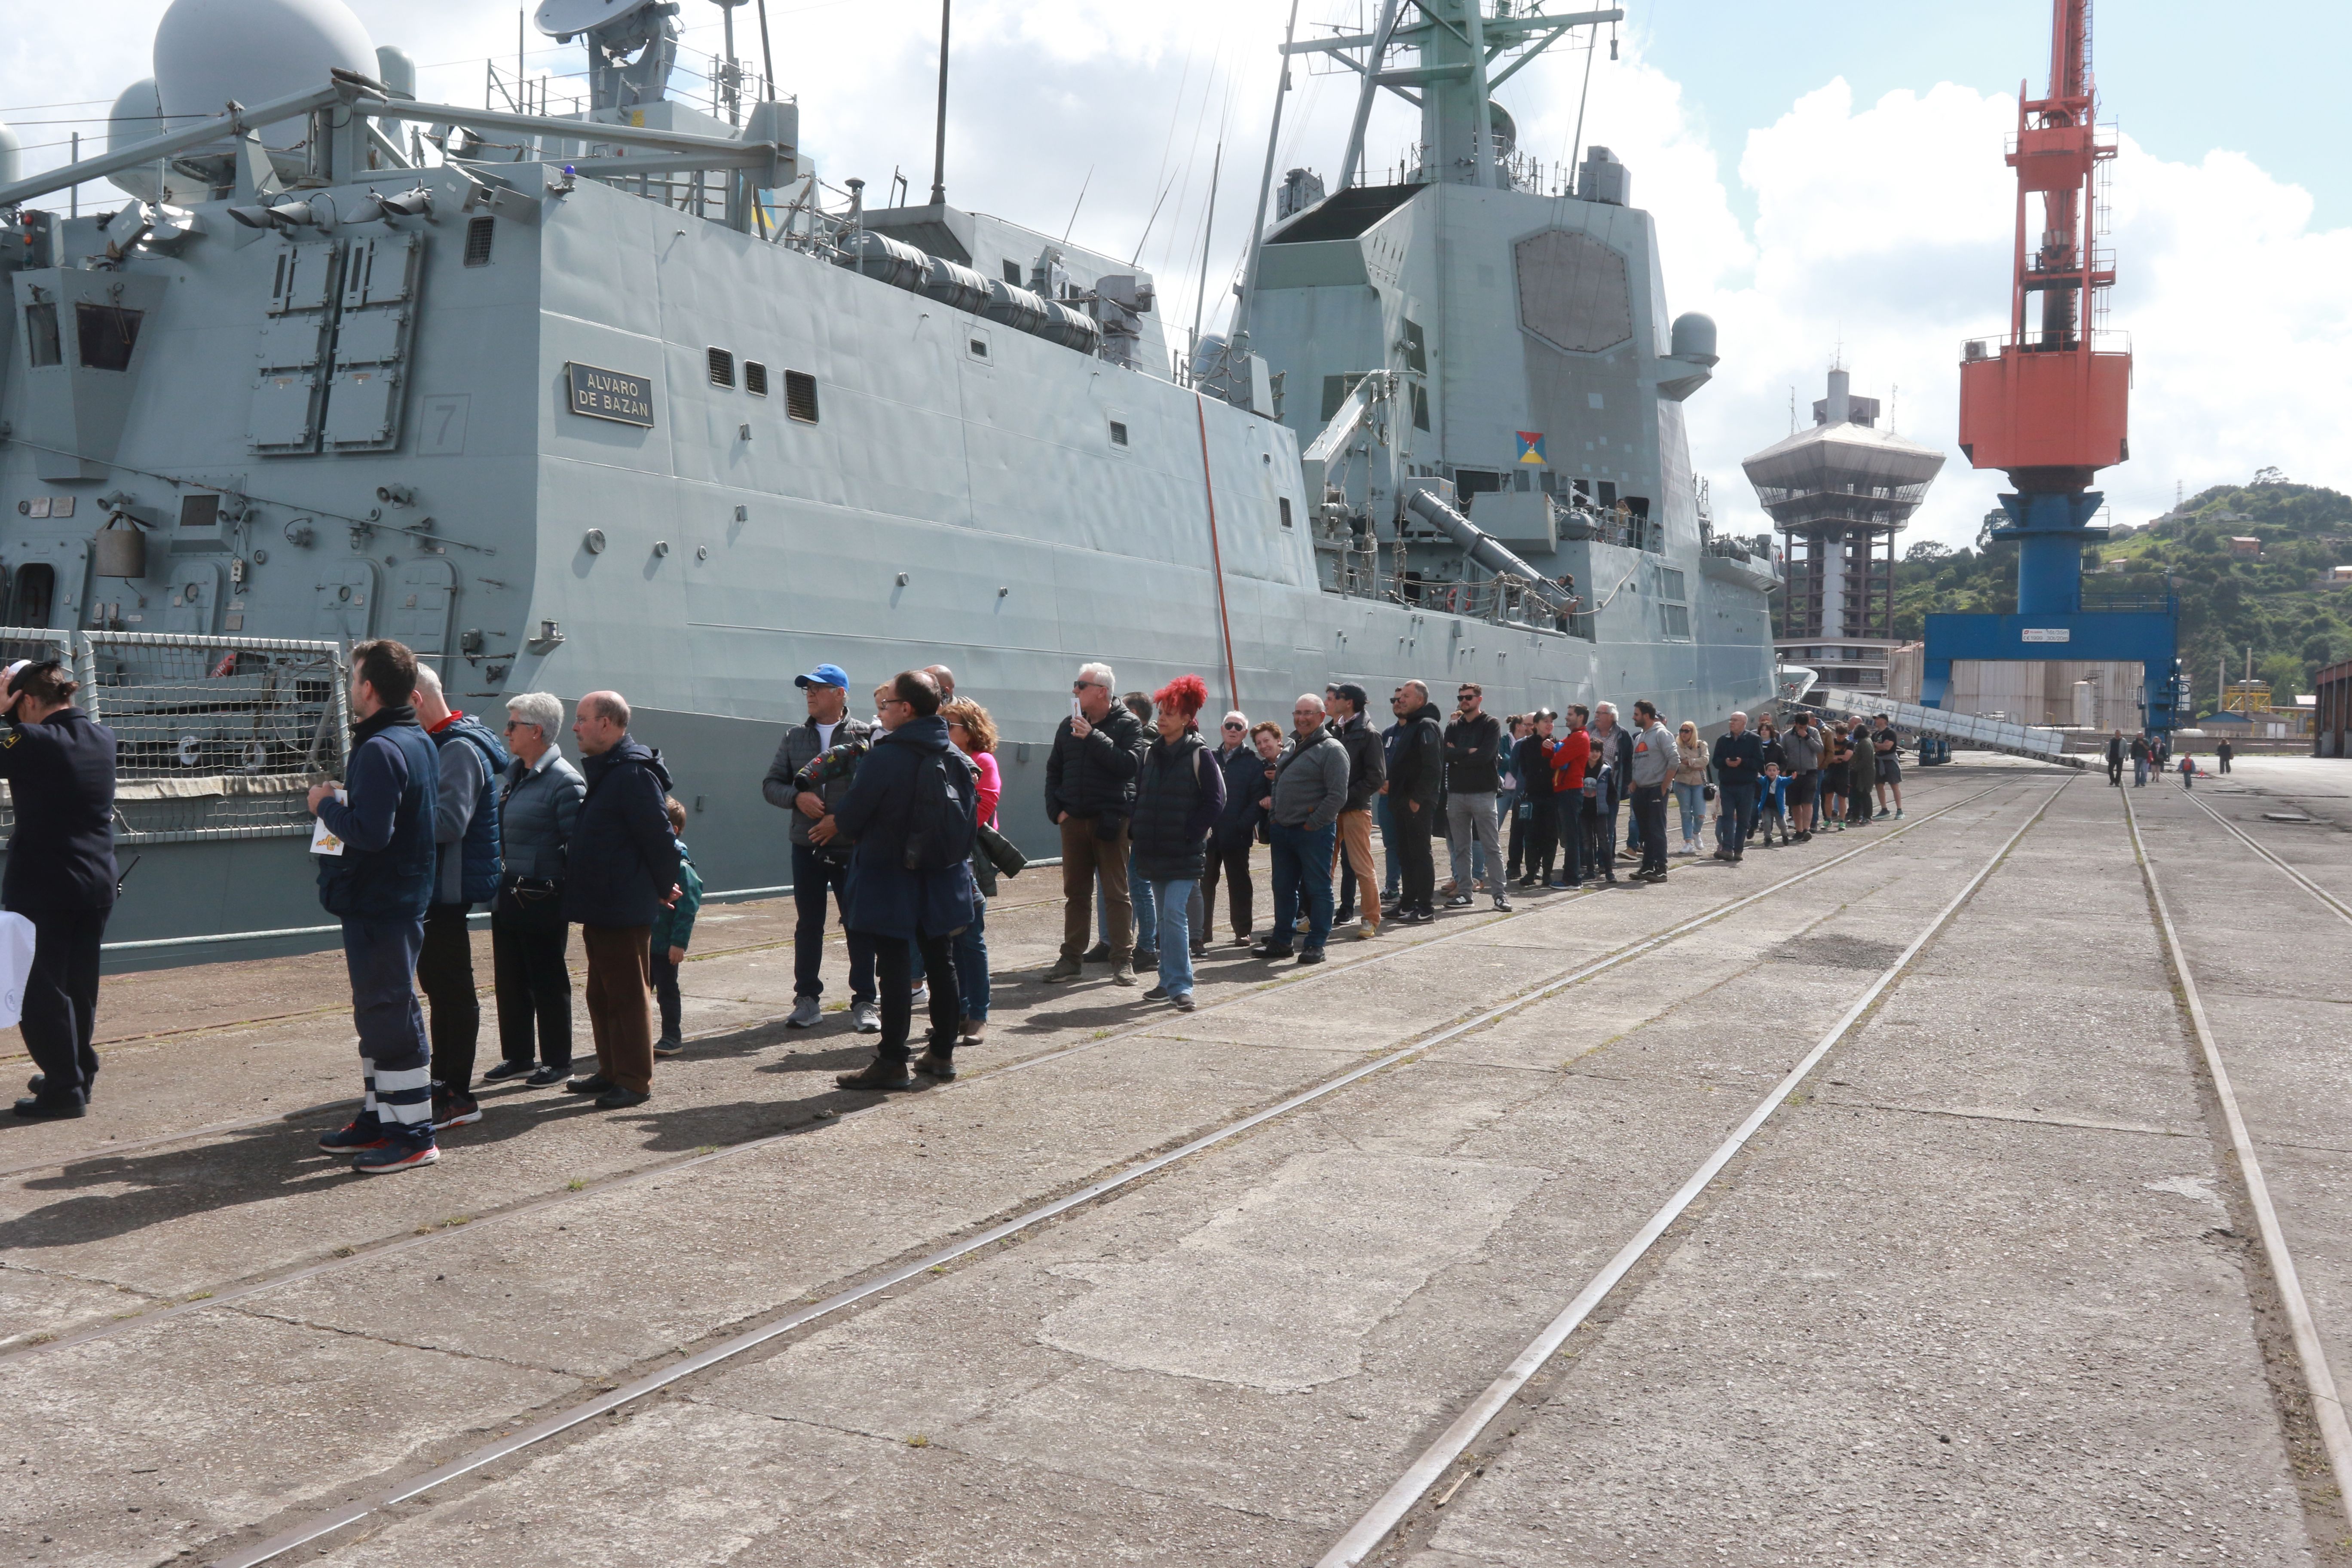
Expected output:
{"points": [[919, 997], [865, 1018], [806, 1012]]}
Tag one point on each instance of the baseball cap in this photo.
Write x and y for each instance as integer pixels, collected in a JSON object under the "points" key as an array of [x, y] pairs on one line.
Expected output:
{"points": [[824, 675]]}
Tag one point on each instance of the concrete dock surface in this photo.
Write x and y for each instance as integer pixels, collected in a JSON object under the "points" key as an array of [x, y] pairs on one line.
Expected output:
{"points": [[1987, 1285]]}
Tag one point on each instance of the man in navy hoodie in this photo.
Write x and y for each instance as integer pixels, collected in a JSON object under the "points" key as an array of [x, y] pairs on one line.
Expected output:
{"points": [[619, 869], [379, 886]]}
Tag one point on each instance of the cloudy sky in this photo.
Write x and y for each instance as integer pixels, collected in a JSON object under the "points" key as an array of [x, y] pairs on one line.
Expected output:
{"points": [[1826, 176]]}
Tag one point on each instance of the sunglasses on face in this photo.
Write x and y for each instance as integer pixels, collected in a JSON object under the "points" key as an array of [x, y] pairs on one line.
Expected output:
{"points": [[1233, 726]]}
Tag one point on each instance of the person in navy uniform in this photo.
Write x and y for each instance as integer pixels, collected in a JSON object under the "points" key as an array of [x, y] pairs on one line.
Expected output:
{"points": [[59, 765], [380, 886]]}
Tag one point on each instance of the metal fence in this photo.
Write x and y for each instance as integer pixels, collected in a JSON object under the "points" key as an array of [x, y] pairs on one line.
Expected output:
{"points": [[215, 737]]}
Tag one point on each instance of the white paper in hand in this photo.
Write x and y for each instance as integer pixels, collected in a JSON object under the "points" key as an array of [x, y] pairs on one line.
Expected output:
{"points": [[323, 841], [15, 965]]}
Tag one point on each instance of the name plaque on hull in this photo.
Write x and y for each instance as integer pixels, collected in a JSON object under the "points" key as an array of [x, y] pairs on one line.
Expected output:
{"points": [[611, 394], [2047, 633]]}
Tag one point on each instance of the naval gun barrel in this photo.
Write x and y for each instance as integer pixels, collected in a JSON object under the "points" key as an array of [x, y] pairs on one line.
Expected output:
{"points": [[1485, 548]]}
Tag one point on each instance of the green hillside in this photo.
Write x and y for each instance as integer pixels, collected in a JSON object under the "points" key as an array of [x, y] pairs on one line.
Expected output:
{"points": [[2281, 605]]}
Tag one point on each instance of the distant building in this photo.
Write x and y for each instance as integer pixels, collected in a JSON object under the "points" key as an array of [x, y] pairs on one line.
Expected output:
{"points": [[2245, 546], [2339, 574], [1839, 493]]}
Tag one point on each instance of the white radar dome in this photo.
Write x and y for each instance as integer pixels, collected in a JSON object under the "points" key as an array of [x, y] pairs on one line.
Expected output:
{"points": [[210, 51], [136, 116]]}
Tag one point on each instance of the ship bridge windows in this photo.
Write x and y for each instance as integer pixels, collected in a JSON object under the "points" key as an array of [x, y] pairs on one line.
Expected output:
{"points": [[105, 335], [755, 378], [722, 367], [41, 342], [800, 396], [1476, 481]]}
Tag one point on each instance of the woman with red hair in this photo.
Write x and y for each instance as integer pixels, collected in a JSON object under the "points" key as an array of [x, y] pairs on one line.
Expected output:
{"points": [[1178, 791]]}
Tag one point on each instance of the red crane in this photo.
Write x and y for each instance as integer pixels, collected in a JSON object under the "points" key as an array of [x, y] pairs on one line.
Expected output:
{"points": [[2047, 403]]}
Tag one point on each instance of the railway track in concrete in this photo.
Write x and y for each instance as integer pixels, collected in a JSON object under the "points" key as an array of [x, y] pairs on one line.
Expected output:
{"points": [[912, 1272]]}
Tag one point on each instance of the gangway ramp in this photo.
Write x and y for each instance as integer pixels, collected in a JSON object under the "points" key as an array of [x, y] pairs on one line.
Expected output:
{"points": [[1961, 729]]}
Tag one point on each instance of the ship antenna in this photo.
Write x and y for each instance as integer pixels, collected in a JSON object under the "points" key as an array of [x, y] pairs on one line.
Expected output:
{"points": [[767, 56], [1079, 202], [1266, 185], [940, 139], [1208, 233]]}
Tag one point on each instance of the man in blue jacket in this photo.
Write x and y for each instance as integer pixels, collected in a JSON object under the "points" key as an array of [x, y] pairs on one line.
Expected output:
{"points": [[910, 883], [379, 886], [620, 869], [465, 873]]}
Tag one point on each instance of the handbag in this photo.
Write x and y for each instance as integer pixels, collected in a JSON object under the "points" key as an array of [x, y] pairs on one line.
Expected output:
{"points": [[1001, 851], [1710, 792]]}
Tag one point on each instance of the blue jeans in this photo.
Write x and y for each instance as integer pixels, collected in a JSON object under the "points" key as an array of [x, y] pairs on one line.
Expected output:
{"points": [[1735, 816], [1302, 867], [396, 1058], [814, 875], [1692, 799], [1170, 903], [1392, 869], [971, 963]]}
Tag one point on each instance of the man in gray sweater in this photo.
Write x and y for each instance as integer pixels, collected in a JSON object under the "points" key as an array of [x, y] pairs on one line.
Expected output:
{"points": [[1653, 767], [1310, 788]]}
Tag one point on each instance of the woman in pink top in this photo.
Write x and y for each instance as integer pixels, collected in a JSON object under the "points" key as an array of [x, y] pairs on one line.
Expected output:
{"points": [[974, 733]]}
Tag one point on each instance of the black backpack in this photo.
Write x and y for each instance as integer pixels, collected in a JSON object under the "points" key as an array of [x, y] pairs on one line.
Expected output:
{"points": [[939, 821]]}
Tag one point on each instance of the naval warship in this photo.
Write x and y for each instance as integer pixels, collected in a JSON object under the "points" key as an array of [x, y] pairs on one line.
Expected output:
{"points": [[622, 393]]}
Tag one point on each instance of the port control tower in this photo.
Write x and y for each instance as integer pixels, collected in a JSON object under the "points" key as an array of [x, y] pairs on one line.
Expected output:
{"points": [[2047, 403], [1839, 493]]}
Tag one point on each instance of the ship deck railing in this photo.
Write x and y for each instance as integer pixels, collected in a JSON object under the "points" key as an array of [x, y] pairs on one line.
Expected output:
{"points": [[1500, 601], [216, 737]]}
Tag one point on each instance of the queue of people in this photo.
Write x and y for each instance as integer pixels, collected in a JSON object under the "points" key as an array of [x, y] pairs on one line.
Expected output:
{"points": [[892, 826]]}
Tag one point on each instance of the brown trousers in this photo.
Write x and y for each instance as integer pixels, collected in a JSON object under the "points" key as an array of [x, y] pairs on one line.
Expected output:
{"points": [[618, 996], [1354, 840], [1085, 858]]}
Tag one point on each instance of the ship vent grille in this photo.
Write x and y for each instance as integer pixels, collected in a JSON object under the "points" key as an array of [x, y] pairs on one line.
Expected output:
{"points": [[722, 367], [755, 378], [800, 395], [478, 241]]}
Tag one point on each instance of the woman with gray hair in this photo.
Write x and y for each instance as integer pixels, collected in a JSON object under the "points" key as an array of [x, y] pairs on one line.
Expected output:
{"points": [[537, 808]]}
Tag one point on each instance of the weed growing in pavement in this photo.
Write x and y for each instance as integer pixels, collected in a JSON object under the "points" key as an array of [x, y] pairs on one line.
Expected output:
{"points": [[577, 1184]]}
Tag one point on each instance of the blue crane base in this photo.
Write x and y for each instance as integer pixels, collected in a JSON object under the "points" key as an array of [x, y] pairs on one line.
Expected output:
{"points": [[2050, 622]]}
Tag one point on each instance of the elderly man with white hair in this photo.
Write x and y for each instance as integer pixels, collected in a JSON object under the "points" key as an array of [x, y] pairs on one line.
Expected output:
{"points": [[1310, 788], [539, 801], [1090, 796], [1739, 773], [1235, 832]]}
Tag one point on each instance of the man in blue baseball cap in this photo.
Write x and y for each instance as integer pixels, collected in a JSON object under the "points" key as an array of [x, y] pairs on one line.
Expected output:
{"points": [[821, 853]]}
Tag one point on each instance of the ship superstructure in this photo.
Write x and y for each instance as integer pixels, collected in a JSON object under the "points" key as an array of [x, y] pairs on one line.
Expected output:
{"points": [[625, 399]]}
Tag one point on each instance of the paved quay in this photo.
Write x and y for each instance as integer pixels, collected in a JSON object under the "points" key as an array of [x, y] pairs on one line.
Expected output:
{"points": [[1984, 1287]]}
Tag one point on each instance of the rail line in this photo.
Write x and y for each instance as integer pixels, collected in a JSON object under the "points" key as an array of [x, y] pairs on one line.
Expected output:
{"points": [[2336, 905], [2319, 1379], [916, 1269], [230, 1292], [1396, 1505]]}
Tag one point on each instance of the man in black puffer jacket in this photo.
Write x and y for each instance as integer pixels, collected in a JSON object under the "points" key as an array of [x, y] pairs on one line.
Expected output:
{"points": [[1090, 796], [1415, 781], [621, 866], [1367, 772]]}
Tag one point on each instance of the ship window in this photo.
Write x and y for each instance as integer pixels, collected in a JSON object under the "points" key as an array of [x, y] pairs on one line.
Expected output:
{"points": [[41, 334], [1284, 502], [1117, 434], [1420, 407], [1670, 584], [478, 241], [1519, 480], [36, 586], [1336, 389], [1473, 481], [1675, 621], [755, 378], [1013, 272], [979, 348], [1608, 492], [200, 511], [106, 334], [800, 395], [1416, 351]]}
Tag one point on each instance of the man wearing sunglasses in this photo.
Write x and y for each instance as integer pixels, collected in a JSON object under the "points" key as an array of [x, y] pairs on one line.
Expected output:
{"points": [[1235, 830], [1474, 739]]}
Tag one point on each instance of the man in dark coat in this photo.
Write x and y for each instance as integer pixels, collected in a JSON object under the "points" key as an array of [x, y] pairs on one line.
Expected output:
{"points": [[1235, 832], [376, 874], [61, 771], [898, 904], [621, 867], [465, 873], [1090, 796], [1368, 769], [1416, 780]]}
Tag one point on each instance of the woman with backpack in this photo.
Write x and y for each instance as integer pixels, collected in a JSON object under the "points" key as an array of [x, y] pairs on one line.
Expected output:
{"points": [[911, 812], [1180, 791]]}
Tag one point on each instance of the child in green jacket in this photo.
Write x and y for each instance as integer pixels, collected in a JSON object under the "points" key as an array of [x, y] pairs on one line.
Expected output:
{"points": [[673, 929]]}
